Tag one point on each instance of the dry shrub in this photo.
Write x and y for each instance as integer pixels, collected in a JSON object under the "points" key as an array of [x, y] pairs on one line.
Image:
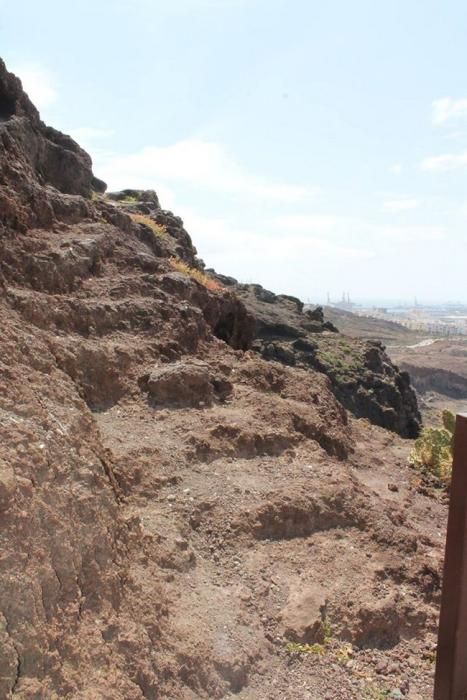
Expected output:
{"points": [[196, 274], [156, 228]]}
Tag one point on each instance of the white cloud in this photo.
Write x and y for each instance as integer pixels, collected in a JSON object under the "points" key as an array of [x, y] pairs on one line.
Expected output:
{"points": [[215, 4], [333, 233], [398, 205], [227, 246], [416, 233], [340, 235], [200, 163], [88, 136], [448, 109], [337, 231], [311, 223], [95, 142], [446, 161], [395, 168], [178, 6], [38, 83]]}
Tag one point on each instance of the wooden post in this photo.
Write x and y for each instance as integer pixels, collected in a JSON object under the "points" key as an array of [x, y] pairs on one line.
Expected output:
{"points": [[451, 657]]}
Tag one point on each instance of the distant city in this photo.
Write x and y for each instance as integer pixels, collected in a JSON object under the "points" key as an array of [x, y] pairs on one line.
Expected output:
{"points": [[443, 319]]}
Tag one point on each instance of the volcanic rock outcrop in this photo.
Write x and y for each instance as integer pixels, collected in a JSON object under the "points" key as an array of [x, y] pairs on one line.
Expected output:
{"points": [[363, 377], [179, 476]]}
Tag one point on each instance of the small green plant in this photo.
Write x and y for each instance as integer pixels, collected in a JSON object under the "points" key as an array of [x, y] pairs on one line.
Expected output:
{"points": [[196, 274], [327, 630], [297, 648], [432, 452], [129, 199], [372, 692], [344, 654], [430, 657], [156, 228], [316, 648]]}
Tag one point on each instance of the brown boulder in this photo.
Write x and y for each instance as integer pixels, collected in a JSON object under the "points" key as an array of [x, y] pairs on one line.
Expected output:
{"points": [[304, 614], [187, 383], [7, 485]]}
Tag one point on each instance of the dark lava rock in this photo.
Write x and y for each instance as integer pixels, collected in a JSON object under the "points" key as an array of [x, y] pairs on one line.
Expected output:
{"points": [[44, 174], [316, 314], [137, 196], [363, 377]]}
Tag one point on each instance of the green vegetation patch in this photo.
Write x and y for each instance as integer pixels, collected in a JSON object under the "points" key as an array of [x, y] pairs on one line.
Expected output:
{"points": [[297, 648], [340, 356], [432, 453]]}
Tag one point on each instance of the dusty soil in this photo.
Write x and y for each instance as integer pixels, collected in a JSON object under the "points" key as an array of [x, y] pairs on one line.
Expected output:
{"points": [[259, 542]]}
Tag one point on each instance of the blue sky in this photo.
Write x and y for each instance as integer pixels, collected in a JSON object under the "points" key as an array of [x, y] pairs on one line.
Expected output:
{"points": [[309, 146]]}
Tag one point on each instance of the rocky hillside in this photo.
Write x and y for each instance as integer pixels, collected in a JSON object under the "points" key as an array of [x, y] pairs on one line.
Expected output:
{"points": [[362, 376], [437, 366], [438, 370], [371, 328], [183, 495]]}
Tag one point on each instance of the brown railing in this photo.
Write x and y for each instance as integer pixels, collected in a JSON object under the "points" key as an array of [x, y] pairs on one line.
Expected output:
{"points": [[451, 657]]}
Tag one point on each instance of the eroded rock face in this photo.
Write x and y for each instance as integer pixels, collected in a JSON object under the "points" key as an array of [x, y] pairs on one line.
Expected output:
{"points": [[363, 377], [187, 383], [39, 166], [436, 379], [153, 547], [60, 522], [304, 616], [7, 485], [87, 298]]}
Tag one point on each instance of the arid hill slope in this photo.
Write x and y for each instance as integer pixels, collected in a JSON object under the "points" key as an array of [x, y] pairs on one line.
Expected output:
{"points": [[439, 373], [178, 502], [362, 376], [369, 328], [439, 366]]}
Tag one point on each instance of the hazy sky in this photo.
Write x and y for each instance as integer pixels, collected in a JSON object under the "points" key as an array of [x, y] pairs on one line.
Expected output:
{"points": [[309, 146]]}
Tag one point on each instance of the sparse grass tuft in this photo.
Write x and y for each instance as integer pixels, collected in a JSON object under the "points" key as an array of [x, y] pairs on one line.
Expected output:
{"points": [[156, 228], [327, 630], [372, 692], [317, 649], [196, 274], [340, 652], [344, 654], [340, 358], [297, 648]]}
